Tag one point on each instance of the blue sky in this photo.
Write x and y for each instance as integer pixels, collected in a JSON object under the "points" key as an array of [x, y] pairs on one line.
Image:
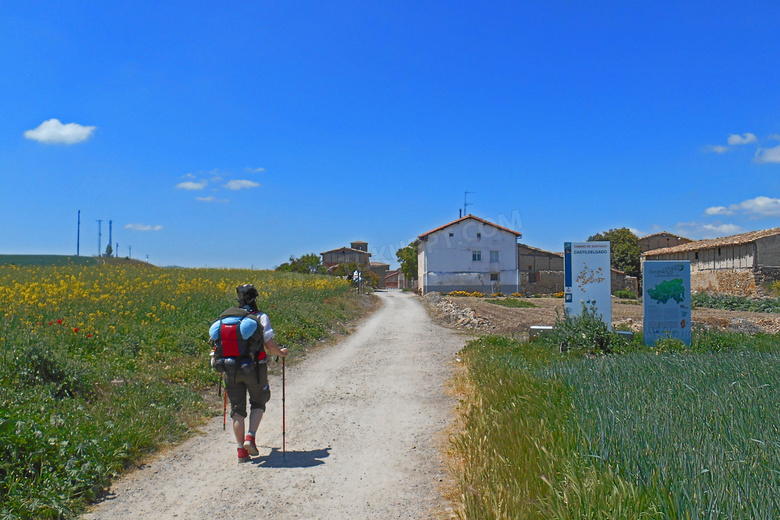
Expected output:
{"points": [[236, 135]]}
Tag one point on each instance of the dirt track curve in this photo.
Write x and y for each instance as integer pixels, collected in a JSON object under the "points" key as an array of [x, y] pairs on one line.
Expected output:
{"points": [[364, 424]]}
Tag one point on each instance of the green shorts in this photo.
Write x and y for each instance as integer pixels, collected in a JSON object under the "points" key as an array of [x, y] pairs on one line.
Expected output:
{"points": [[255, 384]]}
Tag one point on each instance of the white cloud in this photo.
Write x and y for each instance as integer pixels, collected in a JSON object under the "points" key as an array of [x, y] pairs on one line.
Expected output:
{"points": [[722, 229], [735, 139], [757, 208], [210, 199], [718, 210], [191, 185], [143, 227], [54, 132], [241, 184], [697, 230], [255, 170], [717, 148], [760, 206], [188, 176], [768, 155]]}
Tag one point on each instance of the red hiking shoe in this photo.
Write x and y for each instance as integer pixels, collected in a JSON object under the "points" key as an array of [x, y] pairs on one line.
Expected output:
{"points": [[250, 447], [243, 456]]}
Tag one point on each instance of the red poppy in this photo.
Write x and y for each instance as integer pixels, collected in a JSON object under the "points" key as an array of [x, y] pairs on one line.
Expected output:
{"points": [[59, 321], [76, 329], [51, 323], [89, 335]]}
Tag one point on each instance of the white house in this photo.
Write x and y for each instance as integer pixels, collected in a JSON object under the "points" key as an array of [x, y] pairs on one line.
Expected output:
{"points": [[468, 254]]}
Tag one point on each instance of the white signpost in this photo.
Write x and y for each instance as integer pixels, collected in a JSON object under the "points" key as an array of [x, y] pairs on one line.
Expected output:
{"points": [[667, 300], [588, 279]]}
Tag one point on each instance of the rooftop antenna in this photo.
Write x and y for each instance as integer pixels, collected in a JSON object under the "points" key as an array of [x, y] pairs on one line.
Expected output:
{"points": [[100, 234], [466, 204]]}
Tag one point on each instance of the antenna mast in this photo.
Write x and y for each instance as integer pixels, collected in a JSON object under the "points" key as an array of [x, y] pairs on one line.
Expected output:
{"points": [[466, 204]]}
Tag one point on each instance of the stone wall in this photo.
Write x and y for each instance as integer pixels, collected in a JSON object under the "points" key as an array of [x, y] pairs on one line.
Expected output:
{"points": [[551, 282], [726, 281]]}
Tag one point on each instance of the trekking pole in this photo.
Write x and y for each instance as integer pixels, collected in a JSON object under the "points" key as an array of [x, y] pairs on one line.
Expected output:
{"points": [[224, 411], [284, 422]]}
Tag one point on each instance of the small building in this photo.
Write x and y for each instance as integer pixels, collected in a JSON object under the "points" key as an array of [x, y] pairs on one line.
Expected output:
{"points": [[661, 240], [356, 253], [542, 272], [391, 279], [469, 254], [380, 269], [740, 265]]}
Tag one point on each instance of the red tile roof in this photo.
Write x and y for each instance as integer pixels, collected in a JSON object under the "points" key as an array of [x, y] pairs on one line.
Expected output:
{"points": [[486, 222], [733, 240]]}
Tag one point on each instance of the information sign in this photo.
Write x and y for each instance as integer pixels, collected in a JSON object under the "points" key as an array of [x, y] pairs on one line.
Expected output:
{"points": [[588, 279], [667, 300]]}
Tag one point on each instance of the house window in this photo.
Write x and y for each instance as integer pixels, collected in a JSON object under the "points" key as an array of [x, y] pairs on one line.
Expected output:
{"points": [[494, 277], [696, 255], [494, 256], [476, 256], [452, 235], [479, 235]]}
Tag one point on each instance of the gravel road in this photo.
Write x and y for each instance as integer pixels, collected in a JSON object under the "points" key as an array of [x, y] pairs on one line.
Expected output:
{"points": [[365, 421]]}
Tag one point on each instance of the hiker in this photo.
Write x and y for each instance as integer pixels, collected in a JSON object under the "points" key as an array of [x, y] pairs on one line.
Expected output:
{"points": [[245, 328]]}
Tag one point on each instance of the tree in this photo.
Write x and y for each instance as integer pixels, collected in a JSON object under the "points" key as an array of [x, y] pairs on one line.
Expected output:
{"points": [[109, 250], [306, 264], [407, 256], [624, 249]]}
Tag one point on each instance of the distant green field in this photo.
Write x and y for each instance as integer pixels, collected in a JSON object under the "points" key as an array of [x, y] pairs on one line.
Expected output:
{"points": [[47, 260]]}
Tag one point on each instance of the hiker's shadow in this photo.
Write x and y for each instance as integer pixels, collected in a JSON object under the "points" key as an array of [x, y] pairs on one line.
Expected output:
{"points": [[292, 459]]}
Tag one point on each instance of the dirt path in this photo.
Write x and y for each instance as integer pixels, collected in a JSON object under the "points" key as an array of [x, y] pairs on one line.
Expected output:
{"points": [[364, 423]]}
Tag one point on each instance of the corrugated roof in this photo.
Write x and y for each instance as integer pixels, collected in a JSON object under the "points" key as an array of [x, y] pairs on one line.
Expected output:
{"points": [[486, 222], [733, 240]]}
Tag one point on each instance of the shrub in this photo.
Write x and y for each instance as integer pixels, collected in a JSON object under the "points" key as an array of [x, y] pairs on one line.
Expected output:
{"points": [[586, 333], [474, 294], [626, 294]]}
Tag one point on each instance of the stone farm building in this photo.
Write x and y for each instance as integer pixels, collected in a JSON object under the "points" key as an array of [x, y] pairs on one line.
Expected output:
{"points": [[661, 240], [741, 265], [357, 252], [542, 272]]}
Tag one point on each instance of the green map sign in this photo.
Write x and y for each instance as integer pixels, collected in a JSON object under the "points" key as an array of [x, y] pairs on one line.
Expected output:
{"points": [[667, 300], [668, 290]]}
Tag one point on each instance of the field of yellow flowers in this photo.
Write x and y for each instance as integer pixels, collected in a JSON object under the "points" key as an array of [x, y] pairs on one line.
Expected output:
{"points": [[101, 364]]}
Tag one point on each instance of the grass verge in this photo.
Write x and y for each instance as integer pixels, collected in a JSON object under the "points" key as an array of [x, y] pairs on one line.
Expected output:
{"points": [[668, 432], [100, 365]]}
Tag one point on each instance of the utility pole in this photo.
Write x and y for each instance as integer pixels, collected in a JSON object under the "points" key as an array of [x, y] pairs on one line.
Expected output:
{"points": [[78, 234], [100, 235]]}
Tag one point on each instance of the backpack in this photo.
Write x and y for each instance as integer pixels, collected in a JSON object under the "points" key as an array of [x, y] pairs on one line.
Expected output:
{"points": [[233, 352]]}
